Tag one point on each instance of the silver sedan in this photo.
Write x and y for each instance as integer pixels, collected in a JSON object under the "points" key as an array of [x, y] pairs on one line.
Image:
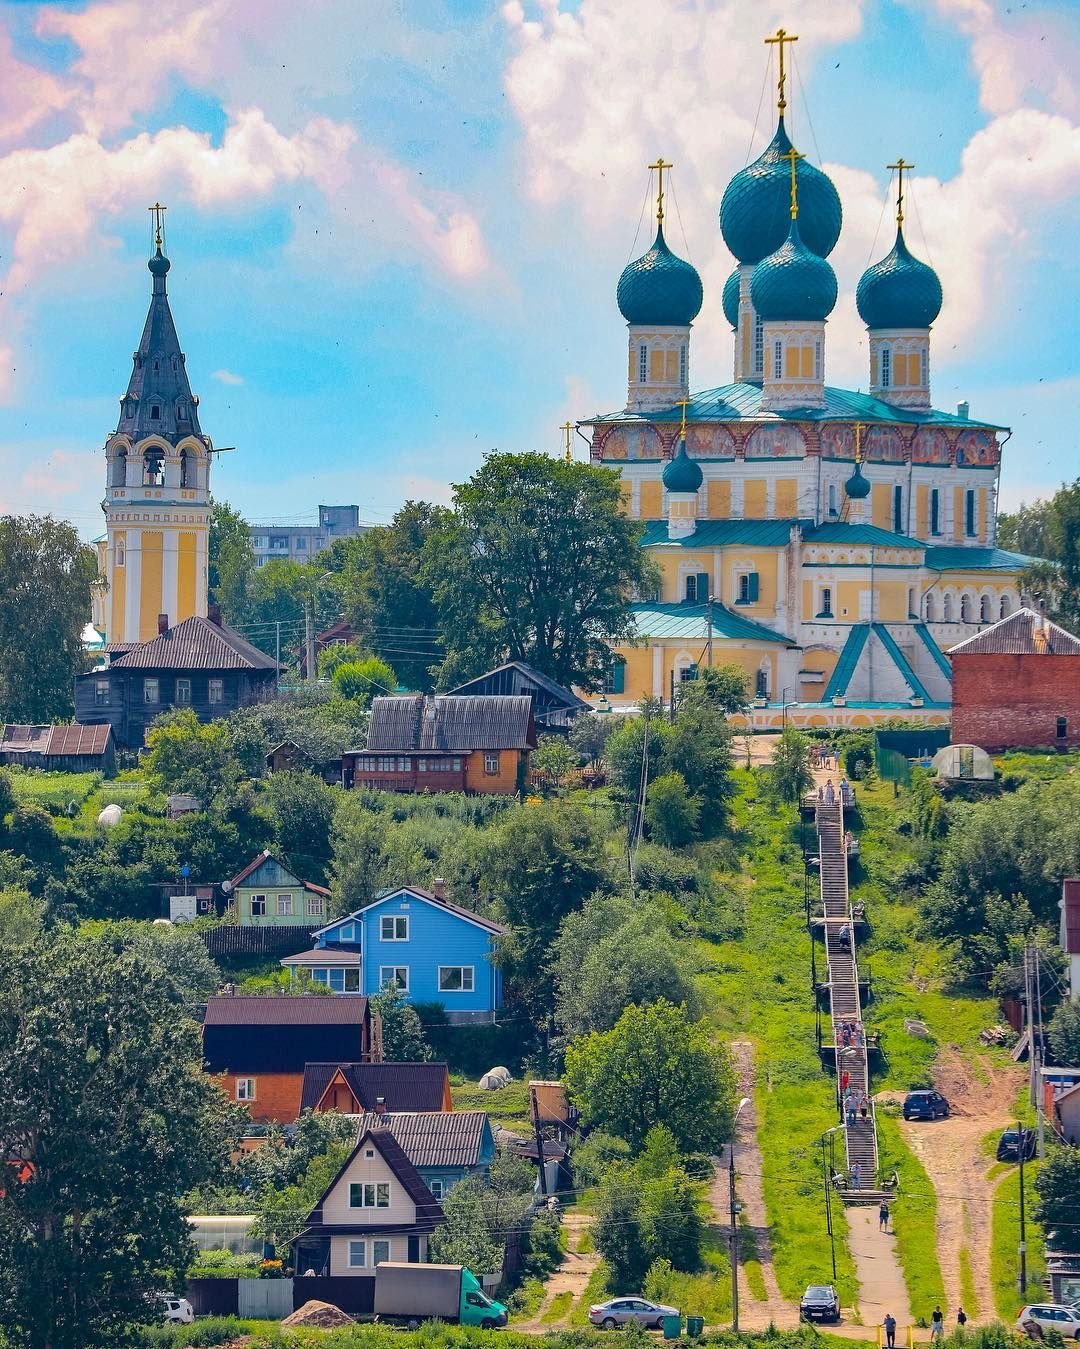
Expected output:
{"points": [[617, 1311]]}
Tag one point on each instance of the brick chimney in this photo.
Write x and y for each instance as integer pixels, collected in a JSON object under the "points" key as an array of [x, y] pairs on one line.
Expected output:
{"points": [[438, 888], [213, 613], [162, 624], [380, 1105]]}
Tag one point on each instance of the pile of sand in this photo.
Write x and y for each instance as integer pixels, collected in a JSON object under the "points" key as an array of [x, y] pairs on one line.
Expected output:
{"points": [[321, 1315]]}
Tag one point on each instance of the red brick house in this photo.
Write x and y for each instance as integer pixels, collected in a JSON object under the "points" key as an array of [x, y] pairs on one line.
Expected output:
{"points": [[1016, 685]]}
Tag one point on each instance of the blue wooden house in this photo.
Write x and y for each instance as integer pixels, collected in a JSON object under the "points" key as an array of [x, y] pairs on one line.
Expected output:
{"points": [[416, 940], [445, 1148]]}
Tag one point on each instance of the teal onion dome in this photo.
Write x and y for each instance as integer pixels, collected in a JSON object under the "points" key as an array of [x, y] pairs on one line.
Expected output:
{"points": [[731, 298], [856, 486], [754, 212], [681, 474], [159, 264], [659, 288], [899, 291], [793, 282]]}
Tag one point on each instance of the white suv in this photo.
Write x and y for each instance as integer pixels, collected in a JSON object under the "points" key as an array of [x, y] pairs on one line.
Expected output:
{"points": [[1051, 1316], [178, 1310]]}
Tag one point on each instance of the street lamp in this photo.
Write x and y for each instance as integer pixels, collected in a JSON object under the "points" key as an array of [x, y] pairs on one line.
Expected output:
{"points": [[734, 1238], [828, 1195]]}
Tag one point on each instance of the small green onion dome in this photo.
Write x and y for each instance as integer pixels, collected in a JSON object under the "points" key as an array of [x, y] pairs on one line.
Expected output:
{"points": [[659, 288], [899, 291], [856, 486], [793, 283], [754, 212], [159, 264], [681, 474], [731, 298]]}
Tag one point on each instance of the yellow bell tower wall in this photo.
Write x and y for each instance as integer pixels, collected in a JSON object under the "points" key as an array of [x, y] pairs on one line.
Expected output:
{"points": [[185, 577], [151, 565]]}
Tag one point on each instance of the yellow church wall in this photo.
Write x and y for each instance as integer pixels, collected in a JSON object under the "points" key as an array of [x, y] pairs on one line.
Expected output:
{"points": [[719, 493], [786, 498], [892, 601], [637, 677], [807, 599], [651, 500], [185, 577], [626, 495], [754, 499], [922, 511], [151, 562], [881, 499], [847, 600]]}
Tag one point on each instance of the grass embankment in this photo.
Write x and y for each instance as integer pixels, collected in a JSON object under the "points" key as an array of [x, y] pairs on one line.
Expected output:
{"points": [[914, 1220], [508, 1107], [1005, 1243]]}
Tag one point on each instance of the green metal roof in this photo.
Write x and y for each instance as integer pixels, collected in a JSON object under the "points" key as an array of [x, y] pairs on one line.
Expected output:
{"points": [[690, 622], [720, 533], [976, 559], [840, 531], [742, 402]]}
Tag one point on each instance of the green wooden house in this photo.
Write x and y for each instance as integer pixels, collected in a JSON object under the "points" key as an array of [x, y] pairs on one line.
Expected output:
{"points": [[267, 894]]}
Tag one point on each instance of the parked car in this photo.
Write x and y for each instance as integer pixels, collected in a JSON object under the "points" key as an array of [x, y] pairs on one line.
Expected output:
{"points": [[820, 1303], [1051, 1316], [925, 1105], [1008, 1148], [618, 1311], [178, 1310]]}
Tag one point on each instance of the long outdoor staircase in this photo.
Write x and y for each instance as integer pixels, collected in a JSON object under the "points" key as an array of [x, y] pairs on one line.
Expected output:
{"points": [[860, 1138]]}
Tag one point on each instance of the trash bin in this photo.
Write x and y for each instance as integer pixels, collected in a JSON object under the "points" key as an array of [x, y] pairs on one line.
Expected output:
{"points": [[695, 1325], [672, 1327]]}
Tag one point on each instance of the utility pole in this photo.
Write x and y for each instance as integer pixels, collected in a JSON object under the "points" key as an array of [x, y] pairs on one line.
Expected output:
{"points": [[309, 641], [828, 1207], [1042, 1044], [277, 647], [1030, 1024], [671, 704], [708, 639], [1022, 1280], [734, 1239]]}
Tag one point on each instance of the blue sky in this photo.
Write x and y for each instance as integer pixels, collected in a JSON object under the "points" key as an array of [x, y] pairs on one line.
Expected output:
{"points": [[396, 228]]}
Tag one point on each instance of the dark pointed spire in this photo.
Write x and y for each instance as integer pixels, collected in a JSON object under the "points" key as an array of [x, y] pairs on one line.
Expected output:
{"points": [[159, 400]]}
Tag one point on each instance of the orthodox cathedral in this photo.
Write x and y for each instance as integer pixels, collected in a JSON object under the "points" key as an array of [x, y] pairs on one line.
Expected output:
{"points": [[834, 544]]}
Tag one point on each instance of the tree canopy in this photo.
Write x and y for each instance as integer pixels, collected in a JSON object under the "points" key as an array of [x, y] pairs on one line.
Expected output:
{"points": [[538, 563], [1050, 530]]}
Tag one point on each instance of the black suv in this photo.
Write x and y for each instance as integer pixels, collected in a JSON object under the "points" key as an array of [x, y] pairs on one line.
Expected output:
{"points": [[820, 1303], [1008, 1148], [925, 1105]]}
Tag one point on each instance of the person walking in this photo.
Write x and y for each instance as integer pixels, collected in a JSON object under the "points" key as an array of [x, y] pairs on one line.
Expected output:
{"points": [[845, 1078], [961, 1318], [890, 1331], [830, 793], [937, 1325], [856, 1177], [883, 1217], [864, 1105]]}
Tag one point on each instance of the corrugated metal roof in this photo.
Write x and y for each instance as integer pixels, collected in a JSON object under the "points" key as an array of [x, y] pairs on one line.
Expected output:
{"points": [[323, 956], [842, 531], [402, 1086], [241, 1009], [738, 402], [690, 622], [195, 644], [721, 533], [976, 559], [91, 740], [450, 724], [447, 1138], [1024, 633]]}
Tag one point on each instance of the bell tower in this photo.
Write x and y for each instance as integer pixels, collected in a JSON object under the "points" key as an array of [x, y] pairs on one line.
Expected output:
{"points": [[157, 494]]}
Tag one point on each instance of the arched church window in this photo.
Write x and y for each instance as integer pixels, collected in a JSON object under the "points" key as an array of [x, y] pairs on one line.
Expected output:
{"points": [[1003, 611], [119, 477], [965, 609], [643, 363], [690, 589], [119, 552], [817, 360], [946, 608], [185, 469], [153, 467], [984, 609], [832, 498], [155, 413], [759, 343], [778, 359], [930, 607], [886, 367], [761, 684], [683, 372]]}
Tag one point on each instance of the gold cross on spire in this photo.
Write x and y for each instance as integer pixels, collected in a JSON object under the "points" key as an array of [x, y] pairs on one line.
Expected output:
{"points": [[566, 429], [781, 37], [860, 427], [794, 156], [158, 212], [901, 166], [683, 403], [660, 166]]}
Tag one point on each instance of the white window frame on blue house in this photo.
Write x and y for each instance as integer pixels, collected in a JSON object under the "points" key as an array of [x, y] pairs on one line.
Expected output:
{"points": [[436, 1188], [463, 970], [396, 922], [393, 973], [338, 973]]}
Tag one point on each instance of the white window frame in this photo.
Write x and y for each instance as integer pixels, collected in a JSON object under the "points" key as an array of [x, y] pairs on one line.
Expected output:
{"points": [[246, 1088], [778, 359], [489, 759], [683, 365], [347, 932], [393, 971], [643, 364], [370, 1196], [251, 906], [886, 368], [285, 906], [215, 691], [315, 906], [464, 969], [357, 1248], [394, 919], [151, 684], [825, 610], [437, 1189]]}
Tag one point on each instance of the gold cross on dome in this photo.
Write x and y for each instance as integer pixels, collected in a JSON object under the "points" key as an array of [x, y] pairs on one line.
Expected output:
{"points": [[158, 212], [683, 403], [781, 37], [566, 429], [901, 166], [860, 427], [660, 166], [794, 156]]}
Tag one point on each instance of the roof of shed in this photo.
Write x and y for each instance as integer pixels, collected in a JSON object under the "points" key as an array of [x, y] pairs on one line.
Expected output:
{"points": [[450, 723]]}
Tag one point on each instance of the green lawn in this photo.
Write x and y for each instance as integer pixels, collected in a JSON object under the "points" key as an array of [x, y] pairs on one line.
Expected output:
{"points": [[508, 1107], [1005, 1240]]}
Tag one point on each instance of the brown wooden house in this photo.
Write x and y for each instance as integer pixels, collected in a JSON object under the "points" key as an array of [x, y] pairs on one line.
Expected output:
{"points": [[445, 743]]}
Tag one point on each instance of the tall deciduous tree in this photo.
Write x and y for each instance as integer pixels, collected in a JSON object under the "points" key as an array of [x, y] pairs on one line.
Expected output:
{"points": [[1050, 530], [655, 1066], [790, 775], [1058, 1188], [539, 564], [47, 580], [105, 1119], [230, 564]]}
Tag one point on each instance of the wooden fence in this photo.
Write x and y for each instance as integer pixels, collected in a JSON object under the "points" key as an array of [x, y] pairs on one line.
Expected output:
{"points": [[231, 940]]}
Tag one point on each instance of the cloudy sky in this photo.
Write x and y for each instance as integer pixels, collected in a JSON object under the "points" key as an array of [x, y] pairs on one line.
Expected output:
{"points": [[396, 225]]}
